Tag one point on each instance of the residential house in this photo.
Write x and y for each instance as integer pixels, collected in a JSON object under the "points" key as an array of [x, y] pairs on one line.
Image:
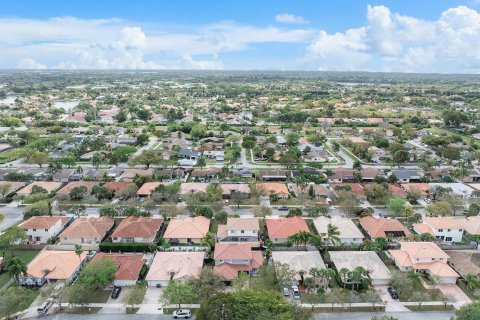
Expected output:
{"points": [[65, 191], [445, 229], [384, 228], [129, 266], [424, 257], [231, 259], [50, 186], [52, 266], [348, 231], [406, 175], [273, 175], [187, 229], [117, 187], [148, 188], [137, 229], [279, 229], [369, 174], [301, 262], [465, 262], [90, 230], [188, 154], [239, 230], [179, 266], [228, 189], [40, 229], [369, 260], [277, 189], [11, 187], [205, 175], [471, 225], [341, 175]]}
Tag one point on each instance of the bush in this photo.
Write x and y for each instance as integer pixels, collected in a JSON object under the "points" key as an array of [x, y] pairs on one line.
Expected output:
{"points": [[35, 197], [127, 247]]}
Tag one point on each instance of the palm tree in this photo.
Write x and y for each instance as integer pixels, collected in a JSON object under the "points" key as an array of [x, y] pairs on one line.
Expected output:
{"points": [[358, 275], [327, 275], [343, 275], [78, 251], [301, 237], [357, 165], [472, 281], [332, 234], [317, 242], [79, 169], [15, 267]]}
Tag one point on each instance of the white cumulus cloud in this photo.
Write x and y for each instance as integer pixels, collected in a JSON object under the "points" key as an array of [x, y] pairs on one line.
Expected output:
{"points": [[27, 63], [290, 18]]}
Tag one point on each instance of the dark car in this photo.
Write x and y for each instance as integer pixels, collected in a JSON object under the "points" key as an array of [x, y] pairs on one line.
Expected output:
{"points": [[283, 208], [116, 292], [393, 293]]}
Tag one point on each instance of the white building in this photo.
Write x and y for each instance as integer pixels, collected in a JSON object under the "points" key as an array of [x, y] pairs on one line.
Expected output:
{"points": [[443, 228], [349, 233], [41, 228]]}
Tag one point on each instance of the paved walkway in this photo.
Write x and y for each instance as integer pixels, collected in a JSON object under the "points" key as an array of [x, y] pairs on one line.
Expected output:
{"points": [[151, 301]]}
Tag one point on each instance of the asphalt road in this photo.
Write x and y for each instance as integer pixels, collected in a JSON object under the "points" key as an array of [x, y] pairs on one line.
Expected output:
{"points": [[105, 316], [400, 315], [13, 215]]}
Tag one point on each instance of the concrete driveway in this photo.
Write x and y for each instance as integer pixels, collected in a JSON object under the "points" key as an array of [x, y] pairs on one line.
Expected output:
{"points": [[151, 301], [13, 215], [455, 291]]}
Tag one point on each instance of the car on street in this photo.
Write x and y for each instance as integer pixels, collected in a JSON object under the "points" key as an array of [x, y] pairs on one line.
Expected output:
{"points": [[393, 293], [116, 292], [295, 293], [427, 200], [43, 308], [286, 292], [182, 314], [283, 208]]}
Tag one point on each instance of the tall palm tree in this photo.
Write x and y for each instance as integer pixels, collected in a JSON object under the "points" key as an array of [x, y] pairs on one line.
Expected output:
{"points": [[300, 238], [317, 242], [332, 234], [15, 267], [78, 251], [343, 275], [472, 281]]}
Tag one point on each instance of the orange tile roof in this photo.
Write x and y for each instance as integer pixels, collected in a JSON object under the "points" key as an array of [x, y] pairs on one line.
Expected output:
{"points": [[43, 222], [376, 227], [129, 264], [47, 185], [116, 186], [424, 188], [137, 227], [187, 227], [185, 265], [442, 222], [423, 228], [88, 227], [148, 187], [282, 228], [274, 188], [60, 264], [233, 251], [88, 184]]}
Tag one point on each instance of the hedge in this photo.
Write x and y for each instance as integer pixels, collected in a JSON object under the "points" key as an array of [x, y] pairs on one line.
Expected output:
{"points": [[127, 247]]}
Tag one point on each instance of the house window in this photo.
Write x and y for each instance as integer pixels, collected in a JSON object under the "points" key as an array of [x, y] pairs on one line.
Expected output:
{"points": [[448, 239], [46, 230], [449, 230], [461, 230], [242, 231], [34, 230], [440, 230]]}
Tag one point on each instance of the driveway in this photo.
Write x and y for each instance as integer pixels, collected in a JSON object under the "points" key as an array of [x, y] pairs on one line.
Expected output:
{"points": [[13, 215], [151, 301], [453, 290], [264, 201]]}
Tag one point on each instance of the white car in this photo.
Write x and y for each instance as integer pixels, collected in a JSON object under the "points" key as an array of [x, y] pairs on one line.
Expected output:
{"points": [[295, 292], [286, 292], [427, 200], [182, 313]]}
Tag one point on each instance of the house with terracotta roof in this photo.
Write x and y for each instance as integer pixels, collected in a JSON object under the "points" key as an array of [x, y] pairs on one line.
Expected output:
{"points": [[50, 186], [470, 225], [129, 174], [137, 229], [90, 230], [301, 262], [275, 189], [424, 257], [384, 228], [41, 228], [279, 229], [174, 265], [67, 188], [147, 188], [129, 266], [11, 187], [243, 229], [356, 188], [341, 175], [192, 187], [117, 187], [231, 259], [51, 266], [377, 271], [358, 140], [187, 229], [396, 191], [422, 188], [230, 188], [369, 174], [444, 229], [349, 232]]}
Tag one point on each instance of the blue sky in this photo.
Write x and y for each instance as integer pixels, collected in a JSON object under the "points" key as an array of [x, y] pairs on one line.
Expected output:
{"points": [[407, 35]]}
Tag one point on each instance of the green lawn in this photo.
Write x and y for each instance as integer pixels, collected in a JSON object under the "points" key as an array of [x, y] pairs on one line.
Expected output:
{"points": [[25, 255], [213, 226]]}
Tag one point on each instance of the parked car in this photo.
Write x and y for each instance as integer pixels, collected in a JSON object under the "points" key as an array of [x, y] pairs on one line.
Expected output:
{"points": [[286, 292], [182, 313], [116, 292], [393, 293], [427, 200], [283, 208], [295, 293], [43, 309]]}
